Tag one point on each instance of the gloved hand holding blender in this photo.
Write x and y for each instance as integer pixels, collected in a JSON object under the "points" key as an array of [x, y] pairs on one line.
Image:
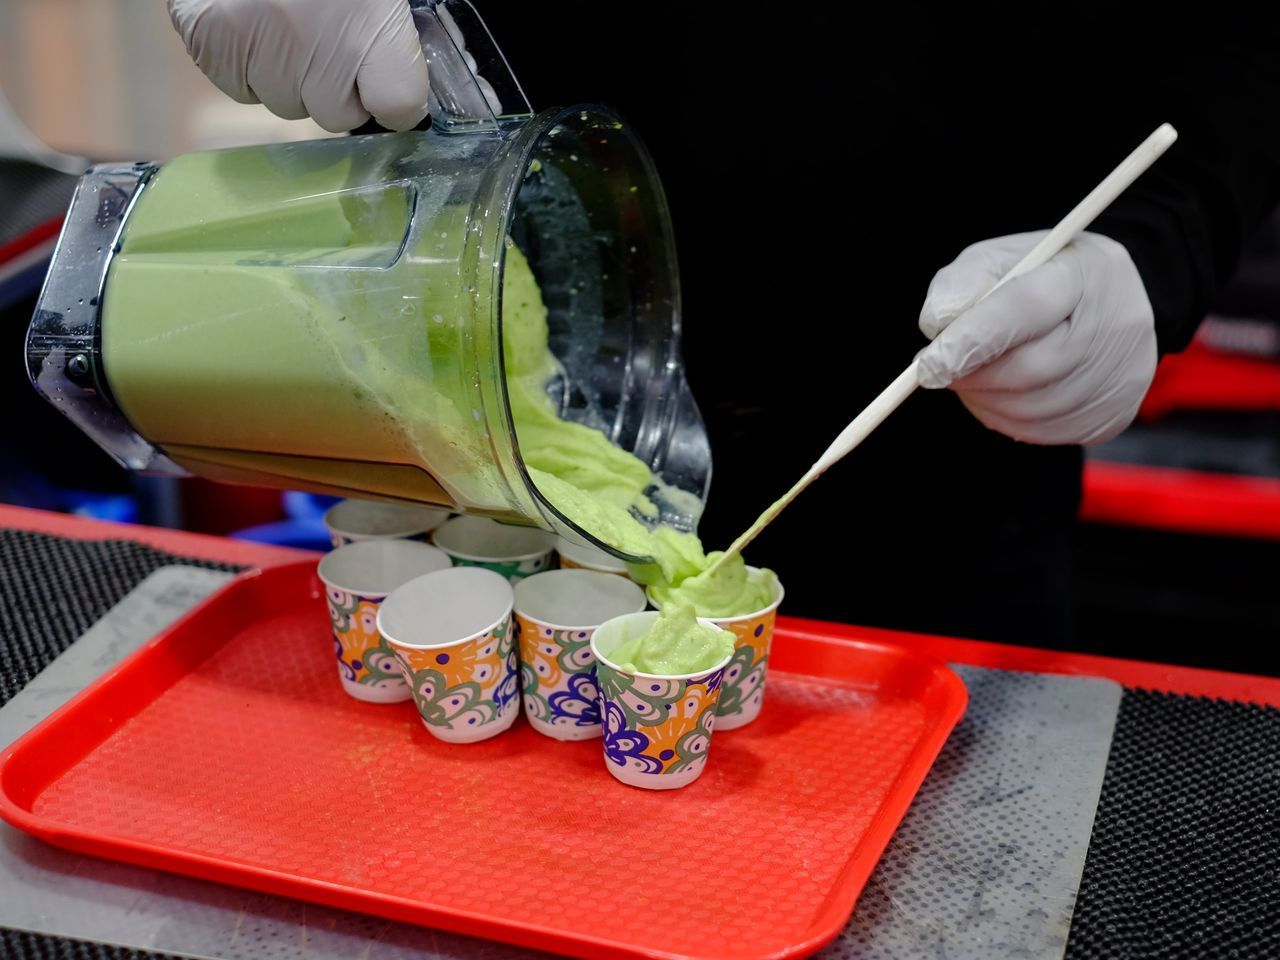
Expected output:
{"points": [[1061, 355], [336, 61]]}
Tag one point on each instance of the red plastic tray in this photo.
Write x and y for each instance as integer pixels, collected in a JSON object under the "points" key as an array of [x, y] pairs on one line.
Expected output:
{"points": [[225, 749]]}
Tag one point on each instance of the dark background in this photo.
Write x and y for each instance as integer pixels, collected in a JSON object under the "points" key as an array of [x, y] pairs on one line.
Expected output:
{"points": [[821, 164]]}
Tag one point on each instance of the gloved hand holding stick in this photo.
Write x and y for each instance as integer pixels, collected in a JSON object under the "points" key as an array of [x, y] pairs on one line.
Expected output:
{"points": [[1047, 337]]}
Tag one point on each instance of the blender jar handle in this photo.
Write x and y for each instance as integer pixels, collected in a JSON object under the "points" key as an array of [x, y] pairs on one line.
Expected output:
{"points": [[64, 340], [472, 86]]}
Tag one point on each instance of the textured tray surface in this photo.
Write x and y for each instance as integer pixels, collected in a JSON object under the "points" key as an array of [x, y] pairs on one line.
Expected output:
{"points": [[253, 760]]}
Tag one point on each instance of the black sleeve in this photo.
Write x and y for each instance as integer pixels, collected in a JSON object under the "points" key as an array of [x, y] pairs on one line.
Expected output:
{"points": [[1214, 73]]}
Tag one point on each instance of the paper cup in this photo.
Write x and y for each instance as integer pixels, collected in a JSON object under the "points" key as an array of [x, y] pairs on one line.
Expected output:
{"points": [[451, 631], [742, 693], [350, 521], [514, 552], [357, 577], [556, 613], [580, 556], [657, 729]]}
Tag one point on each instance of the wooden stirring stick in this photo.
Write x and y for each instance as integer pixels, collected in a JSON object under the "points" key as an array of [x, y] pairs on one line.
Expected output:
{"points": [[1070, 227]]}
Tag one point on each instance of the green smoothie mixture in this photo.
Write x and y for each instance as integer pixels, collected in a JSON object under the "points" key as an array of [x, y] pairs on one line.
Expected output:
{"points": [[676, 644], [601, 487], [260, 318], [730, 591], [261, 323]]}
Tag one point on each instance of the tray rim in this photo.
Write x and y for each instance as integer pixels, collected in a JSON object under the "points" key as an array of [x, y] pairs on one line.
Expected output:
{"points": [[829, 918]]}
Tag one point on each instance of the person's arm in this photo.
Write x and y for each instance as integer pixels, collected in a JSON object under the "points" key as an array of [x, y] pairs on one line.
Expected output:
{"points": [[1213, 73], [1066, 353]]}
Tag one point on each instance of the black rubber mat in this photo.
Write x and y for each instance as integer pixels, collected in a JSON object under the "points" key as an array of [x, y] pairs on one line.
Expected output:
{"points": [[53, 589], [1184, 860], [17, 945]]}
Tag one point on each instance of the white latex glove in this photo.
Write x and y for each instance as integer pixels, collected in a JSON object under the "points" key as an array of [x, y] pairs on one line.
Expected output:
{"points": [[1063, 354], [337, 61]]}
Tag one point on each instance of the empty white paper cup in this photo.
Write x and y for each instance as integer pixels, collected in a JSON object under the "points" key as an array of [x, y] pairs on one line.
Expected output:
{"points": [[580, 556], [357, 577], [349, 521], [452, 633], [513, 552], [556, 613]]}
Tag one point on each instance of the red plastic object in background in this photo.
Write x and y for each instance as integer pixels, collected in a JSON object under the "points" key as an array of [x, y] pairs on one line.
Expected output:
{"points": [[28, 252], [1201, 378], [1187, 501], [220, 508], [180, 542], [24, 243], [225, 749]]}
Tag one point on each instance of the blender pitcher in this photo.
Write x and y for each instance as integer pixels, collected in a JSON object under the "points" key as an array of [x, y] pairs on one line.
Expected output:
{"points": [[329, 315]]}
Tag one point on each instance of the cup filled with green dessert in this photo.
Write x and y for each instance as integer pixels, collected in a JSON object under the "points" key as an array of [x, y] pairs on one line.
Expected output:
{"points": [[660, 676]]}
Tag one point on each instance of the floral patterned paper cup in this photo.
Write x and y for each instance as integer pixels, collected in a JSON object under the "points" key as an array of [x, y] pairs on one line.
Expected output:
{"points": [[357, 577], [580, 556], [350, 521], [514, 552], [657, 729], [452, 633], [742, 694], [556, 613]]}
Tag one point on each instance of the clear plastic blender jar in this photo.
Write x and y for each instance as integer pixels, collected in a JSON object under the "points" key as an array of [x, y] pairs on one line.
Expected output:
{"points": [[328, 315]]}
